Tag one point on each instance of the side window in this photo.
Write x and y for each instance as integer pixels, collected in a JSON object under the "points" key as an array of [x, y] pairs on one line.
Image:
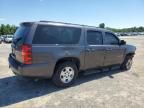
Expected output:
{"points": [[110, 39], [94, 37], [56, 35]]}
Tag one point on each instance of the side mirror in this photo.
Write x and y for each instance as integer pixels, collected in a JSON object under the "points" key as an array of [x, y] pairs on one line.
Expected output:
{"points": [[122, 42]]}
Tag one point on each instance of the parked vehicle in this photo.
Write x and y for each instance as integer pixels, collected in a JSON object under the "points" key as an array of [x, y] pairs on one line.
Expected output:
{"points": [[61, 50], [2, 37], [8, 38]]}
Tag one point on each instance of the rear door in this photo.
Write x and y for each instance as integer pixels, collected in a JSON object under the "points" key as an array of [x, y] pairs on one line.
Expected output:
{"points": [[18, 40], [114, 52], [94, 52]]}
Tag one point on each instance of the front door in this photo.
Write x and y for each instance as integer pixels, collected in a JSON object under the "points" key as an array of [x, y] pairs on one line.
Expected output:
{"points": [[94, 51], [114, 52]]}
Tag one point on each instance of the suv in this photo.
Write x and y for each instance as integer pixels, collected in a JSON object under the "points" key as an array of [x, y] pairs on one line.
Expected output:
{"points": [[60, 50]]}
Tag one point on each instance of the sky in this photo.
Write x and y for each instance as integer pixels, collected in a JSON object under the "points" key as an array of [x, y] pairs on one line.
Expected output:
{"points": [[114, 13]]}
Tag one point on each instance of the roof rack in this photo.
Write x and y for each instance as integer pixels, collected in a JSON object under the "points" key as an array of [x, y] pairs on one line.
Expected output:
{"points": [[68, 23], [60, 22]]}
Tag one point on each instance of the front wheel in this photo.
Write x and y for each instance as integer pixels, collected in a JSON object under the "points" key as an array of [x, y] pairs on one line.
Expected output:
{"points": [[127, 64], [65, 74]]}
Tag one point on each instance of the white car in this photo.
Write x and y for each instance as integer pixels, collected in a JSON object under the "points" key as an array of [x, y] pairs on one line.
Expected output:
{"points": [[8, 39]]}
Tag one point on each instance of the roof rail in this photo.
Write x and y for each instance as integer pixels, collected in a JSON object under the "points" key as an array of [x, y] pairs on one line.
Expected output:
{"points": [[60, 22], [66, 23]]}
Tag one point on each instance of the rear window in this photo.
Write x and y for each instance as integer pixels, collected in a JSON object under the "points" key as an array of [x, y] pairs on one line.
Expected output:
{"points": [[56, 35], [21, 32]]}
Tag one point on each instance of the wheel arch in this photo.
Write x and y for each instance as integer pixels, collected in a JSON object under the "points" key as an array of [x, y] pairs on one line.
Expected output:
{"points": [[66, 59], [131, 54]]}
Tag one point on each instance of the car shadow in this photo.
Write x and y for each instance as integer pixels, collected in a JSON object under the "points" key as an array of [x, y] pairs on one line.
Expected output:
{"points": [[16, 89]]}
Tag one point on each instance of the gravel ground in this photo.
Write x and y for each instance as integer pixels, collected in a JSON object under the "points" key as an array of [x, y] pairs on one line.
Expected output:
{"points": [[111, 89]]}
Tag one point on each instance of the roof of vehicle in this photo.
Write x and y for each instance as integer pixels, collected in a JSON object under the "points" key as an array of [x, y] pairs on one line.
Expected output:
{"points": [[64, 24]]}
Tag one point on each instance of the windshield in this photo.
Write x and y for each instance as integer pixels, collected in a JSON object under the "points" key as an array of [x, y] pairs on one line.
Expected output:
{"points": [[10, 36], [22, 31]]}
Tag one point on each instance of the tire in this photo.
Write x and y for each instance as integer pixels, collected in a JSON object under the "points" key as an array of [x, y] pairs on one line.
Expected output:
{"points": [[65, 74], [127, 64]]}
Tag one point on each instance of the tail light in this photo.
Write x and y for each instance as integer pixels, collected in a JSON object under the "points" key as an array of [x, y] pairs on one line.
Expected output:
{"points": [[27, 54]]}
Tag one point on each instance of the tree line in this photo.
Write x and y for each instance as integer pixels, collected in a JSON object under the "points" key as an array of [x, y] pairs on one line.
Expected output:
{"points": [[132, 29], [7, 29]]}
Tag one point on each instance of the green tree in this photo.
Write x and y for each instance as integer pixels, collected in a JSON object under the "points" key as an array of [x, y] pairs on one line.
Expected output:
{"points": [[7, 29], [132, 29], [2, 29], [12, 29], [102, 25]]}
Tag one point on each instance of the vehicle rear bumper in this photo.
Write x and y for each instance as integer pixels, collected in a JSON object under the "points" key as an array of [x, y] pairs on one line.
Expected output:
{"points": [[32, 70]]}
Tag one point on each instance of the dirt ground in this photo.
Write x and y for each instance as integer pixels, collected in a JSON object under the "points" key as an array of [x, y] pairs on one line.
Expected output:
{"points": [[111, 89]]}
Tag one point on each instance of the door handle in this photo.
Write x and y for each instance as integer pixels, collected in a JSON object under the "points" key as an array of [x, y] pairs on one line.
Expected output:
{"points": [[87, 50], [90, 50], [108, 49]]}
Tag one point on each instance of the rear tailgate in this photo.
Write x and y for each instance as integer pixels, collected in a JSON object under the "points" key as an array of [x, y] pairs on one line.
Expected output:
{"points": [[18, 40]]}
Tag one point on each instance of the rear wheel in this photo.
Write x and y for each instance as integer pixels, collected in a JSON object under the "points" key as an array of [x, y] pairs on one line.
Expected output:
{"points": [[127, 64], [65, 74]]}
